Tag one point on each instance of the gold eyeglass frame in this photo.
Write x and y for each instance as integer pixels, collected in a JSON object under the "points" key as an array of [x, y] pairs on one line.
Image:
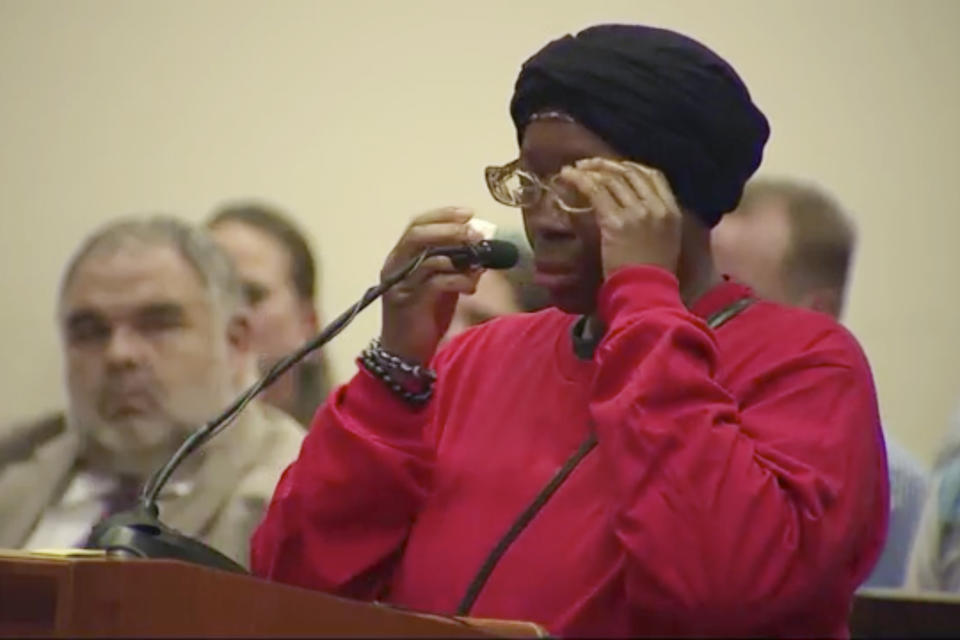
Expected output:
{"points": [[496, 176]]}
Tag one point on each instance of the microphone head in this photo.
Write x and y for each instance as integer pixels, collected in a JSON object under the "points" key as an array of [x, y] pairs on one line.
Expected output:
{"points": [[498, 254]]}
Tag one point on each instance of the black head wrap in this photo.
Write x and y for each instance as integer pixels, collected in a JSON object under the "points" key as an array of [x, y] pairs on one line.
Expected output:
{"points": [[656, 97]]}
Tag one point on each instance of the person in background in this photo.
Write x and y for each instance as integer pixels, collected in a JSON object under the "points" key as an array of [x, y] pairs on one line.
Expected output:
{"points": [[279, 276], [501, 292], [794, 244], [791, 242], [659, 453], [935, 560], [155, 343]]}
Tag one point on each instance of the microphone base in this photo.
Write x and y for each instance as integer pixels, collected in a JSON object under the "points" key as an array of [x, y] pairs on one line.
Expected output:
{"points": [[139, 533]]}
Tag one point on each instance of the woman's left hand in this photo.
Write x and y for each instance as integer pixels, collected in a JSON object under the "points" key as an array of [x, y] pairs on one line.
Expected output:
{"points": [[638, 216]]}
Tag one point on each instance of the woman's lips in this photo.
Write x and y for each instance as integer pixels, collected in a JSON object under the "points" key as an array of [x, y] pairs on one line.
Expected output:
{"points": [[554, 275], [556, 263]]}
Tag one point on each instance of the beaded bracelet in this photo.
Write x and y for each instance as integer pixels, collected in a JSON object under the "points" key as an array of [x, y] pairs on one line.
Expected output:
{"points": [[383, 364]]}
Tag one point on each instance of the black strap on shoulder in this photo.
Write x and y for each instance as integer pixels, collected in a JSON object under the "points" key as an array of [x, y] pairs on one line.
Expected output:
{"points": [[528, 514], [521, 523]]}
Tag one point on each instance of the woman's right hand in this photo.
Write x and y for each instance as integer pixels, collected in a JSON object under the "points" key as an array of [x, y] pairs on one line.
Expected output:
{"points": [[417, 311]]}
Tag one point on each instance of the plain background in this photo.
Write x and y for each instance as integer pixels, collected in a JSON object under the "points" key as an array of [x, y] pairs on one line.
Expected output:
{"points": [[356, 115]]}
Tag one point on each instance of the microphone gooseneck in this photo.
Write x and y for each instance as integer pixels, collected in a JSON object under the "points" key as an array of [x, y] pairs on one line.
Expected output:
{"points": [[139, 532]]}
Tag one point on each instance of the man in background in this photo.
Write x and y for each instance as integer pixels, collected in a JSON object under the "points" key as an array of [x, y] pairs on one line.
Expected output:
{"points": [[501, 292], [155, 343], [278, 273], [793, 244]]}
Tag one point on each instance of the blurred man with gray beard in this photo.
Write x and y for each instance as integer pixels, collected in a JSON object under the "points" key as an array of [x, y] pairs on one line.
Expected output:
{"points": [[155, 343]]}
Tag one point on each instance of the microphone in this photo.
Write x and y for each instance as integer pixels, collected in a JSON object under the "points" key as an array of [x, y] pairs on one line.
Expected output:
{"points": [[489, 254], [140, 533]]}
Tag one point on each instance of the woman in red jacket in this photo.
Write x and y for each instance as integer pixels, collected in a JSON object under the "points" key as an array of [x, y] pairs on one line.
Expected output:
{"points": [[657, 454]]}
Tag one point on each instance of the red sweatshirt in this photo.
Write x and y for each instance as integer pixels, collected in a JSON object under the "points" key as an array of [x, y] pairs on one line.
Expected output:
{"points": [[738, 485]]}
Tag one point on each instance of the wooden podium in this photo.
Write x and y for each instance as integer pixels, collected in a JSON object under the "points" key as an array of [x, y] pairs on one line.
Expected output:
{"points": [[86, 594], [896, 613], [97, 596]]}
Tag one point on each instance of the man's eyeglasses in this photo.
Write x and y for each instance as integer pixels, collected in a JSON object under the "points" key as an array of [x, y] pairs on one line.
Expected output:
{"points": [[514, 187]]}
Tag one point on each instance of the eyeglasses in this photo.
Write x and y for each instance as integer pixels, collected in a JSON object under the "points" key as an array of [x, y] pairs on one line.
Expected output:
{"points": [[514, 187]]}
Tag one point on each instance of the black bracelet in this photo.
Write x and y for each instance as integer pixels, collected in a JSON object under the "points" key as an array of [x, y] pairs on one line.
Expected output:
{"points": [[415, 370], [382, 364]]}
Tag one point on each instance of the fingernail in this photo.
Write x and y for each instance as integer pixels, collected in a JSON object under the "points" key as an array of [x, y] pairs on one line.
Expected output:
{"points": [[466, 211]]}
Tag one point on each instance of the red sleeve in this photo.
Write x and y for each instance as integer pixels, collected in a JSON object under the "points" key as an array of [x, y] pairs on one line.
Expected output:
{"points": [[342, 510], [734, 513]]}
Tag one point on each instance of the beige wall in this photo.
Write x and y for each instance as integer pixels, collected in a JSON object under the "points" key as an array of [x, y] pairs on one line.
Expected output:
{"points": [[357, 114]]}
